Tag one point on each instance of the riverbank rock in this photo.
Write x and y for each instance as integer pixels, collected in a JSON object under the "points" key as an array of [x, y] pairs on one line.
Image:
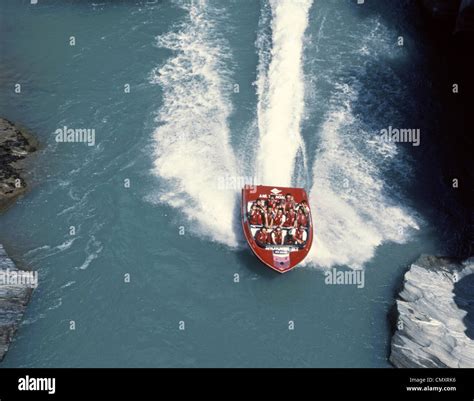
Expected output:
{"points": [[435, 315], [14, 297], [15, 145]]}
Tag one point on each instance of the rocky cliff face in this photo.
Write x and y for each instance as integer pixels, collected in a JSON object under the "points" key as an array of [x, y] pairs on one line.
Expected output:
{"points": [[15, 145], [435, 315], [15, 285]]}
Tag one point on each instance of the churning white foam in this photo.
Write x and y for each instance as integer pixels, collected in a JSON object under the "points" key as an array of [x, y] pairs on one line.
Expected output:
{"points": [[280, 89], [192, 149], [351, 214]]}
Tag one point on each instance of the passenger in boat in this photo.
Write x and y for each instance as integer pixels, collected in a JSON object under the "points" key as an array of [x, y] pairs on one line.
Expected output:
{"points": [[300, 236], [279, 219], [290, 220], [262, 237], [289, 202], [277, 236], [255, 216], [289, 237], [302, 219], [272, 202], [260, 203], [303, 204], [269, 216], [282, 202]]}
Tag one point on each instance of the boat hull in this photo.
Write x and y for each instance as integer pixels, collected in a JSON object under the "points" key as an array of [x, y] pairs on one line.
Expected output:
{"points": [[279, 257]]}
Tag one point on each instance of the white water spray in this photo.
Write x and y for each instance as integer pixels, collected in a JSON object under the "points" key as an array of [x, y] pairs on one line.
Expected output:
{"points": [[281, 93], [192, 149]]}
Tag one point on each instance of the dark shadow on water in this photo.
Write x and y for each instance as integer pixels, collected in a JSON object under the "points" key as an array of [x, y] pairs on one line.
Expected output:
{"points": [[464, 299], [431, 60]]}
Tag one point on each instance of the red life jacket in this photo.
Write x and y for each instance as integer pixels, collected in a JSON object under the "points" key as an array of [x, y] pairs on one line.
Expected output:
{"points": [[270, 217], [272, 203], [255, 218], [278, 238], [302, 220], [261, 237], [290, 220], [289, 205], [277, 220], [299, 235]]}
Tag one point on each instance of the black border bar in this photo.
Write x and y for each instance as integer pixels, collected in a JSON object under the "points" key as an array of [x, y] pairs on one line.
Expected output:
{"points": [[242, 384]]}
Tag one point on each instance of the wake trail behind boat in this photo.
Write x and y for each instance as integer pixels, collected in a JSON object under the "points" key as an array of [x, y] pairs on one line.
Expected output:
{"points": [[192, 149], [192, 142], [280, 89], [353, 210], [352, 215]]}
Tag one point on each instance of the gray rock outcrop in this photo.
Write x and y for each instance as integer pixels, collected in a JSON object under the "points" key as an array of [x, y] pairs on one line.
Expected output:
{"points": [[16, 287], [435, 315], [15, 145]]}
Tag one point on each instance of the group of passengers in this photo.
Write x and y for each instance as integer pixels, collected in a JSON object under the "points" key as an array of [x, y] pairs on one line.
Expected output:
{"points": [[277, 215]]}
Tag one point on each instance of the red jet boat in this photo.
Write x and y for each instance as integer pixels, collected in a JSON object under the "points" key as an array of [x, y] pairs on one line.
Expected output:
{"points": [[277, 225]]}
